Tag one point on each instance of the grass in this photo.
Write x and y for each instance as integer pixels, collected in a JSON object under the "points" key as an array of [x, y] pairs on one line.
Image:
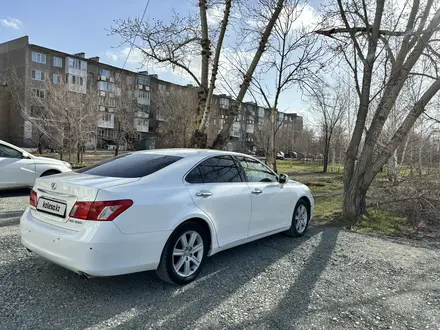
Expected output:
{"points": [[328, 211], [292, 166], [381, 223]]}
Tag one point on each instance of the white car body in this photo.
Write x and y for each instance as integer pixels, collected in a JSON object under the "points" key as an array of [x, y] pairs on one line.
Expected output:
{"points": [[234, 212], [19, 169]]}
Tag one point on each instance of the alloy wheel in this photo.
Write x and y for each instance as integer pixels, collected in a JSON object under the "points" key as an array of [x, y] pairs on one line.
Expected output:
{"points": [[188, 253], [301, 218]]}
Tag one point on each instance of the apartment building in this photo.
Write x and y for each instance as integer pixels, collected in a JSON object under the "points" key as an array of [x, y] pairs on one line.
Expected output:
{"points": [[35, 63]]}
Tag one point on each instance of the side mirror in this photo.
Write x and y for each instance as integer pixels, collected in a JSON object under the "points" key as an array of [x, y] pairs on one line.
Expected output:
{"points": [[283, 178]]}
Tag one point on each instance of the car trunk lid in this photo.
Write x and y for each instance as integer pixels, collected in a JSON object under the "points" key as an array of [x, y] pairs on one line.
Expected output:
{"points": [[56, 195]]}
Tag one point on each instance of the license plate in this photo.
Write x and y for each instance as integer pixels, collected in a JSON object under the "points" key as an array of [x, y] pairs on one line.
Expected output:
{"points": [[52, 207]]}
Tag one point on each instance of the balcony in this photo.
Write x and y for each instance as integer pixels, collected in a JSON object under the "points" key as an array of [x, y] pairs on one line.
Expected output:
{"points": [[141, 125], [141, 114], [250, 129], [107, 120], [143, 101]]}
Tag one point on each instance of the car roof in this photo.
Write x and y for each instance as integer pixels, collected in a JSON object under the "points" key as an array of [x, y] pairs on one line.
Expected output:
{"points": [[188, 152], [11, 145]]}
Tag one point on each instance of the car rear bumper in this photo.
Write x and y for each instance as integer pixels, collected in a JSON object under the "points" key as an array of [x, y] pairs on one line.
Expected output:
{"points": [[98, 249]]}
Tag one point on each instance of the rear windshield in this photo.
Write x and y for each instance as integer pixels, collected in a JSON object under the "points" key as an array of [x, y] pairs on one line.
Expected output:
{"points": [[131, 165]]}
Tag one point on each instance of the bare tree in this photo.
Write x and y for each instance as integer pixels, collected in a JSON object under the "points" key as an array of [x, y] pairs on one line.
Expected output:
{"points": [[263, 135], [126, 110], [175, 111], [67, 118], [375, 30], [293, 58], [329, 104], [190, 39], [179, 44]]}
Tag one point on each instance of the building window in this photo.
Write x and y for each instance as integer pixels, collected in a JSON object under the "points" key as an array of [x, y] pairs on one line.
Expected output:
{"points": [[103, 86], [81, 81], [77, 64], [111, 102], [38, 93], [56, 78], [58, 61], [141, 80], [106, 117], [162, 87], [104, 72], [73, 80], [144, 94], [38, 75], [142, 122], [39, 58], [144, 108]]}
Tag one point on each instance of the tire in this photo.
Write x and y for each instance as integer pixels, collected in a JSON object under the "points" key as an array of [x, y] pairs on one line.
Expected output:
{"points": [[298, 229], [185, 263], [50, 172]]}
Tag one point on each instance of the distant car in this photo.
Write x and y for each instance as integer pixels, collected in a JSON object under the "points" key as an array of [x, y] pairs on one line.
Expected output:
{"points": [[19, 169], [163, 210], [280, 155]]}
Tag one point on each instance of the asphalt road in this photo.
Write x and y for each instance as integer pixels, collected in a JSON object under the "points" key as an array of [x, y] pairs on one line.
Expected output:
{"points": [[329, 279]]}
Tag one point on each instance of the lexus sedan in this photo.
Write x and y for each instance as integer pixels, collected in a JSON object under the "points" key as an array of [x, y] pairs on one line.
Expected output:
{"points": [[163, 210], [19, 169]]}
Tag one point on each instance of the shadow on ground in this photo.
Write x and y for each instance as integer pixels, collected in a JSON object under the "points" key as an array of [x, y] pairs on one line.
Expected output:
{"points": [[142, 301], [14, 193]]}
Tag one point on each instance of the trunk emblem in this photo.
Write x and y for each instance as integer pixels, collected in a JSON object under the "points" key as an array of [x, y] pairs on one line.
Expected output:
{"points": [[53, 185]]}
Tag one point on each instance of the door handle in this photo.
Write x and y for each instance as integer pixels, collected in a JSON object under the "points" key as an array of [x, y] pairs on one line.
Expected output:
{"points": [[204, 194], [257, 191]]}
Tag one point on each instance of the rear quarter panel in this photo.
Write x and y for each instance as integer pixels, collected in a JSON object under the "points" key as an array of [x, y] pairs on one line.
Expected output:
{"points": [[155, 207]]}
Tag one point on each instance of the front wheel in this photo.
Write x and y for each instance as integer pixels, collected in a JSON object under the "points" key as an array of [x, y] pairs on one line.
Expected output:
{"points": [[183, 254], [300, 219]]}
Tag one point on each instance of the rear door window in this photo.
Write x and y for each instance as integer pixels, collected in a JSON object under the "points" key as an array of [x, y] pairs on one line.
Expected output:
{"points": [[131, 165], [215, 170]]}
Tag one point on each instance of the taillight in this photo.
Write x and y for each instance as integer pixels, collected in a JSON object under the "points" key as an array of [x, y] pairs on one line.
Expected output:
{"points": [[33, 198], [99, 211]]}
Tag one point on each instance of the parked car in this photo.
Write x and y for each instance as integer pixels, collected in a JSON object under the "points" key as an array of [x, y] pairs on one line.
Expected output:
{"points": [[19, 169], [280, 155], [163, 210]]}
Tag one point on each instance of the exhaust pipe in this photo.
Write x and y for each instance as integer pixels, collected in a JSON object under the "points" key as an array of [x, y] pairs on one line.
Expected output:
{"points": [[84, 276]]}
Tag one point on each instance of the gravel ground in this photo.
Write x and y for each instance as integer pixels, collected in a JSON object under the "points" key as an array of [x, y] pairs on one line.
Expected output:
{"points": [[329, 279]]}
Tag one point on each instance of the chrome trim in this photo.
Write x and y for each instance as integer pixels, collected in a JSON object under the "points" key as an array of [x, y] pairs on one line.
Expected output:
{"points": [[53, 193]]}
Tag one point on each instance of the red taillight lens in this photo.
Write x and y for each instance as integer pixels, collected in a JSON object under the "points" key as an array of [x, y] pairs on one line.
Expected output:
{"points": [[33, 198], [99, 211]]}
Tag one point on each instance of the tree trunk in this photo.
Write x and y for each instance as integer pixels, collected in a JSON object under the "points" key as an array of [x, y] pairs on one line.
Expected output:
{"points": [[354, 203], [214, 71], [78, 153], [326, 157], [222, 138], [393, 168], [199, 138], [272, 150], [117, 146]]}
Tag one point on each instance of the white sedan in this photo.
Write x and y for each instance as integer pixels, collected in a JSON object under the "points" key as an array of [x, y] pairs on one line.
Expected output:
{"points": [[19, 169], [164, 210]]}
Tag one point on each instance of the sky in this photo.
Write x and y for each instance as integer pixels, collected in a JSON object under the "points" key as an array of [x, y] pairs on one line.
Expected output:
{"points": [[83, 26]]}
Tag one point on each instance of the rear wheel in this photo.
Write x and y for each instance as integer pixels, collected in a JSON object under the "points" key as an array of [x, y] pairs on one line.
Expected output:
{"points": [[183, 254], [300, 219]]}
